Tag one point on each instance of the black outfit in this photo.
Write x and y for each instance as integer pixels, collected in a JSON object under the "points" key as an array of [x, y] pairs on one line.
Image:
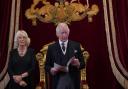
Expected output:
{"points": [[18, 65], [55, 54]]}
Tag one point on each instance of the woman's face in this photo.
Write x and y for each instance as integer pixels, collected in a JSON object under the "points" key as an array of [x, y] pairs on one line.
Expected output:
{"points": [[22, 40]]}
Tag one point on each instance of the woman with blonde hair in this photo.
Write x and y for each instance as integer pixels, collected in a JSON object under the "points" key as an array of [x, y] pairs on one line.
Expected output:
{"points": [[21, 63]]}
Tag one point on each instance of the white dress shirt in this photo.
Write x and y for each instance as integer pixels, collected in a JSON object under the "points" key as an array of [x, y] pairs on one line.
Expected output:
{"points": [[65, 44]]}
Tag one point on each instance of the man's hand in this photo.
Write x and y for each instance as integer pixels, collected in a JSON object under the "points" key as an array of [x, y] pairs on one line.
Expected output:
{"points": [[54, 71], [75, 62]]}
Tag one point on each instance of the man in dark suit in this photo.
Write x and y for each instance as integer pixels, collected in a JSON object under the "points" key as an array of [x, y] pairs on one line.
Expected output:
{"points": [[68, 55]]}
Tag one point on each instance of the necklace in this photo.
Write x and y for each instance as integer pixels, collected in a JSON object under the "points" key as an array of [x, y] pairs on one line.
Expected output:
{"points": [[22, 51]]}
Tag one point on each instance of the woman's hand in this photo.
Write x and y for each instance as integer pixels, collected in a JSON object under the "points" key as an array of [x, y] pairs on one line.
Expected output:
{"points": [[17, 78], [22, 83], [25, 74]]}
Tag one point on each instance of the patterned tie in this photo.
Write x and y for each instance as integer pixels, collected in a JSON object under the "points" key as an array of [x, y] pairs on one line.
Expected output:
{"points": [[63, 46]]}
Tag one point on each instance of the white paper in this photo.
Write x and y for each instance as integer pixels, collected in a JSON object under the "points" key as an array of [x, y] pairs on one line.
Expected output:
{"points": [[64, 68]]}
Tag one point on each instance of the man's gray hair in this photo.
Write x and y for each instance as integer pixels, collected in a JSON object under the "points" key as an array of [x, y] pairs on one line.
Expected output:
{"points": [[23, 33], [60, 26]]}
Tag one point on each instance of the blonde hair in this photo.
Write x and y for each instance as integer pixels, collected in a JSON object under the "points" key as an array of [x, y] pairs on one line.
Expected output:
{"points": [[23, 33]]}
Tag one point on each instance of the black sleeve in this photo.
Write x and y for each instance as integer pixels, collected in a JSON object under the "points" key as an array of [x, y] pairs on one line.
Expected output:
{"points": [[33, 70], [32, 62], [48, 62], [10, 64], [80, 57]]}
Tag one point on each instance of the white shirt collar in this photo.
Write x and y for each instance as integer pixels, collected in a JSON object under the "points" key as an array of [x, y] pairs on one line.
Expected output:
{"points": [[65, 42]]}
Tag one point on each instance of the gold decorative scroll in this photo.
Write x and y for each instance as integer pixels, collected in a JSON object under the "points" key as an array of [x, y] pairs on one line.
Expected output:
{"points": [[60, 12]]}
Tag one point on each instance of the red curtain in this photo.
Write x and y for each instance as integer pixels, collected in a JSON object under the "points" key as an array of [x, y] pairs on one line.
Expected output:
{"points": [[5, 11], [121, 22]]}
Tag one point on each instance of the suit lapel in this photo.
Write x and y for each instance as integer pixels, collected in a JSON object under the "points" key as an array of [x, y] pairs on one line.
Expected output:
{"points": [[58, 48], [59, 54], [70, 49]]}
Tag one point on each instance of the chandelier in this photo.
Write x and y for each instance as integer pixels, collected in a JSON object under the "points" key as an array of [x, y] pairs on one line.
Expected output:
{"points": [[61, 11]]}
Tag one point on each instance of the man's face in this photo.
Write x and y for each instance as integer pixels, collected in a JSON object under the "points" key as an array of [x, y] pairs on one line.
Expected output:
{"points": [[63, 34]]}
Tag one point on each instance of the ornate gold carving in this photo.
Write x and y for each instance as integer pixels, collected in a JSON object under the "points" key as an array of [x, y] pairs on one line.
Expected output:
{"points": [[60, 11], [41, 57], [84, 84]]}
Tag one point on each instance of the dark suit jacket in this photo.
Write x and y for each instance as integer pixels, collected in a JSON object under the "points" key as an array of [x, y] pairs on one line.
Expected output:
{"points": [[55, 54]]}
